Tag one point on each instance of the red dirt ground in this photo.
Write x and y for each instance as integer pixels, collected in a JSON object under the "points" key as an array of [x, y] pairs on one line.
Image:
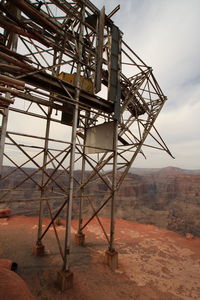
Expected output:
{"points": [[154, 264]]}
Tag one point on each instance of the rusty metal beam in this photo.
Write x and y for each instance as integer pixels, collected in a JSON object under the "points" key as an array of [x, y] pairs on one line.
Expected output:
{"points": [[75, 42], [7, 80]]}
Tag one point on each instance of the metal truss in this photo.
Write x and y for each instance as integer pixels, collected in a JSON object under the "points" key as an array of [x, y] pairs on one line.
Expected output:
{"points": [[64, 65]]}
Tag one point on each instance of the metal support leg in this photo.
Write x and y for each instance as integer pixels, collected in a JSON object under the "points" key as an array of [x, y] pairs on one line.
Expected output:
{"points": [[12, 43], [3, 137], [71, 183], [111, 253], [39, 244], [65, 277], [80, 236], [39, 249]]}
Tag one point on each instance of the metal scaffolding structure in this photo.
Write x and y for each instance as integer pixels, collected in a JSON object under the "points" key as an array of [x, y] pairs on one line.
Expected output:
{"points": [[73, 96]]}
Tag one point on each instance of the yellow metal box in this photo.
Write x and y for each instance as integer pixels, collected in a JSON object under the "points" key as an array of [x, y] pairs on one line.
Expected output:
{"points": [[85, 84]]}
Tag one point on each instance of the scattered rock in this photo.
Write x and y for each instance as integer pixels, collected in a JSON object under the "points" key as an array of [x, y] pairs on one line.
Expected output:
{"points": [[8, 264], [5, 212], [189, 236], [13, 287]]}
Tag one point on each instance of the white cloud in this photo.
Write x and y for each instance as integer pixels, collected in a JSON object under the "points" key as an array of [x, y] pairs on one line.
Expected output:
{"points": [[180, 125], [165, 34]]}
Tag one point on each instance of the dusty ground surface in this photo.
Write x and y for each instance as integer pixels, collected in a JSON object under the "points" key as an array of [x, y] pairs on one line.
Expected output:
{"points": [[153, 263]]}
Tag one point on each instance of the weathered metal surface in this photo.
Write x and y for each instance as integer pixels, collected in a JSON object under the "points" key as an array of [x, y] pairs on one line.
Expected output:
{"points": [[99, 51], [114, 91], [35, 14], [85, 84], [100, 138], [19, 84], [6, 100], [73, 37], [16, 62]]}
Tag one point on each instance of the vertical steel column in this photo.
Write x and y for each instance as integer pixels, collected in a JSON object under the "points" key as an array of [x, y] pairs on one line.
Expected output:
{"points": [[71, 184], [46, 143], [99, 50], [115, 92], [82, 178], [3, 137], [80, 236], [114, 181], [114, 95], [82, 189], [12, 45], [66, 262]]}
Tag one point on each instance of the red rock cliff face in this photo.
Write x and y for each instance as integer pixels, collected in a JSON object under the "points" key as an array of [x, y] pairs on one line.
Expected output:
{"points": [[168, 198]]}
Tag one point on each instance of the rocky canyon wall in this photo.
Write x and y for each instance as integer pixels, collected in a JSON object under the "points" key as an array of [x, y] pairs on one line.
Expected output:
{"points": [[168, 198]]}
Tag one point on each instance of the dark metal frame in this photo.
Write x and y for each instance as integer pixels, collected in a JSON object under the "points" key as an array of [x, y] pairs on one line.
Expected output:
{"points": [[38, 42]]}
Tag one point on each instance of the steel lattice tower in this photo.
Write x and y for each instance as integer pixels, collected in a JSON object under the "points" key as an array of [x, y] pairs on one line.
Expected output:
{"points": [[64, 64]]}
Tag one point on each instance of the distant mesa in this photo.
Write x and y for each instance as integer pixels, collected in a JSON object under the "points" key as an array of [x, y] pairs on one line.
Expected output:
{"points": [[172, 170], [167, 170]]}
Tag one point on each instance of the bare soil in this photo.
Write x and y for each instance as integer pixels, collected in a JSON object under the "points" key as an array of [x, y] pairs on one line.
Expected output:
{"points": [[154, 264]]}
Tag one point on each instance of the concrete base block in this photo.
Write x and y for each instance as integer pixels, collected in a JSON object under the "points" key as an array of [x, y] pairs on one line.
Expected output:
{"points": [[112, 259], [65, 280], [38, 250], [80, 239]]}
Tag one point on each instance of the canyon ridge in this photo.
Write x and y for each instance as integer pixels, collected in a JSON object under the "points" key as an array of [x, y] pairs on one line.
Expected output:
{"points": [[168, 198]]}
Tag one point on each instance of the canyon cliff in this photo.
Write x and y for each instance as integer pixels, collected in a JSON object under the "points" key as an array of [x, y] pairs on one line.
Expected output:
{"points": [[168, 198]]}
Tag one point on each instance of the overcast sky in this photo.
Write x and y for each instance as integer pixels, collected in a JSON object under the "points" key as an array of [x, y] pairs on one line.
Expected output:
{"points": [[165, 34]]}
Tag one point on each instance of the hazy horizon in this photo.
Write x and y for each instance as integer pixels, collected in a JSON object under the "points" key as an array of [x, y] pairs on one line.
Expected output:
{"points": [[133, 167]]}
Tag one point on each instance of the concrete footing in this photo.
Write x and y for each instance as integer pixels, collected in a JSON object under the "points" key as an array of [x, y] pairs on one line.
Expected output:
{"points": [[38, 250], [65, 280], [111, 258], [80, 239]]}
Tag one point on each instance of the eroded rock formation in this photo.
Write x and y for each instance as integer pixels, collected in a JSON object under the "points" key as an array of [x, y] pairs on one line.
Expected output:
{"points": [[168, 198]]}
